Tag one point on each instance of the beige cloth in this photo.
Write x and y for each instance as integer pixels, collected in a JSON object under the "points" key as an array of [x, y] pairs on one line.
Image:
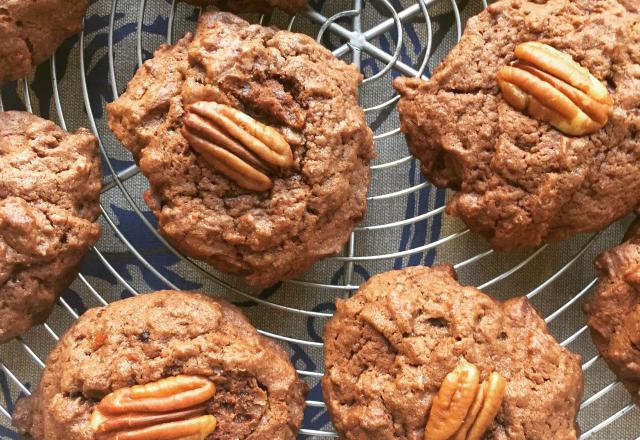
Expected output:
{"points": [[554, 275]]}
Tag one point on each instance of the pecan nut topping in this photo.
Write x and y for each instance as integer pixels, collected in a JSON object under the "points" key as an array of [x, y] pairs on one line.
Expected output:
{"points": [[236, 145], [451, 405], [169, 409], [550, 86], [486, 408], [465, 408]]}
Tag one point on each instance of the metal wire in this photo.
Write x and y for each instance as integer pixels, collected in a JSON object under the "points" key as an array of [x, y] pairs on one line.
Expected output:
{"points": [[357, 43]]}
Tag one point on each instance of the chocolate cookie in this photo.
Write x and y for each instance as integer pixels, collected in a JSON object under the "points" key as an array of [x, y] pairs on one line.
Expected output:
{"points": [[31, 30], [390, 348], [289, 6], [614, 311], [50, 185], [521, 181], [256, 151], [207, 367]]}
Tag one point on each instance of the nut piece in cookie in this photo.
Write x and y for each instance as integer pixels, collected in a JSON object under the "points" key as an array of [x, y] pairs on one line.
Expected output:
{"points": [[485, 408], [532, 118], [416, 355], [453, 403], [164, 366], [550, 86], [169, 408], [465, 408], [236, 145], [614, 310], [50, 183], [256, 150]]}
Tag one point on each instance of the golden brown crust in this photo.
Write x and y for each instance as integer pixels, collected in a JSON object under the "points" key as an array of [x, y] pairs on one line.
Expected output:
{"points": [[32, 30], [50, 183], [284, 80], [614, 310], [389, 348], [520, 181], [150, 337]]}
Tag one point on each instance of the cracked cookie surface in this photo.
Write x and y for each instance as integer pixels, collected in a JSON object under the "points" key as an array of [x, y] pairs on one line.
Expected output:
{"points": [[151, 337], [614, 311], [521, 182], [281, 79], [388, 349], [50, 183], [31, 31]]}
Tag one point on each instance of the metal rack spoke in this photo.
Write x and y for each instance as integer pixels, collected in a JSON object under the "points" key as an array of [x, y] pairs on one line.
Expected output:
{"points": [[399, 193], [50, 332], [416, 250], [32, 355], [599, 394], [316, 433], [564, 268], [4, 412], [514, 269], [572, 301], [14, 379], [607, 422], [408, 221], [590, 362]]}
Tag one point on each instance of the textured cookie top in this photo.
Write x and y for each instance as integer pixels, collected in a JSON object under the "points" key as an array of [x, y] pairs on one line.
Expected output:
{"points": [[614, 311], [289, 6], [520, 181], [31, 31], [389, 348], [50, 184], [166, 334], [284, 80]]}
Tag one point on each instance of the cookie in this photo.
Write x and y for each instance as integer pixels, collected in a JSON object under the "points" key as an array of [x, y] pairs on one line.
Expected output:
{"points": [[521, 181], [389, 351], [32, 30], [50, 183], [614, 310], [289, 6], [255, 148], [238, 382]]}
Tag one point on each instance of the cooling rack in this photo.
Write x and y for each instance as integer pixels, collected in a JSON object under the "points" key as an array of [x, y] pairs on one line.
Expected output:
{"points": [[405, 223]]}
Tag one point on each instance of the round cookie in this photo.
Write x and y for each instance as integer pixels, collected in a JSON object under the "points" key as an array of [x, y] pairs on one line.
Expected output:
{"points": [[389, 348], [32, 30], [614, 311], [520, 181], [159, 336], [299, 94], [239, 6], [50, 183]]}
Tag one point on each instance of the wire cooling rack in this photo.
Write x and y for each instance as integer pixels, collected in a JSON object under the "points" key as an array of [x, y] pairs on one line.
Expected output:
{"points": [[405, 223]]}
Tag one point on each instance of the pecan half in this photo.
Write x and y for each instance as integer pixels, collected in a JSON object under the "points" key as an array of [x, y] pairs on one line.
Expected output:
{"points": [[236, 145], [451, 405], [469, 420], [169, 409], [550, 86], [494, 389], [464, 409]]}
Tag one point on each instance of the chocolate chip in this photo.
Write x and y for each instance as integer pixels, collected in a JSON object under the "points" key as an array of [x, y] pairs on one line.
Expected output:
{"points": [[438, 322], [144, 336]]}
